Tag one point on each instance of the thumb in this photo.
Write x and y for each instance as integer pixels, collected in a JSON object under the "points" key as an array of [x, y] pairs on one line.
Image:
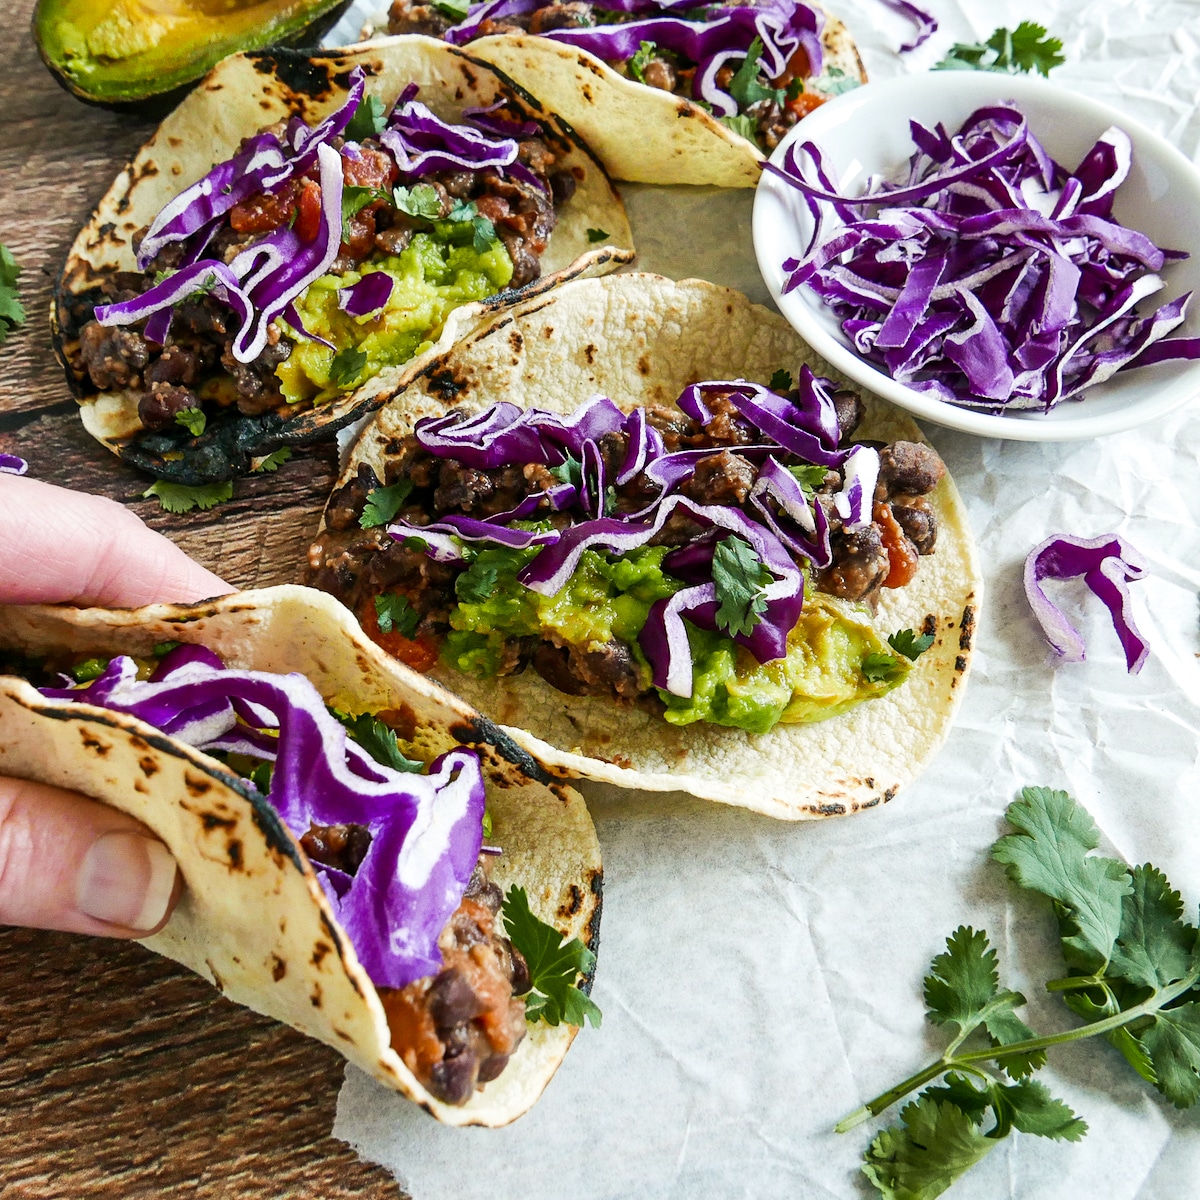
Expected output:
{"points": [[70, 863]]}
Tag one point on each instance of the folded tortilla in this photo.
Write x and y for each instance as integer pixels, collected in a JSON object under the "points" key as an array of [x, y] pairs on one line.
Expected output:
{"points": [[253, 919], [237, 98], [641, 339], [641, 133]]}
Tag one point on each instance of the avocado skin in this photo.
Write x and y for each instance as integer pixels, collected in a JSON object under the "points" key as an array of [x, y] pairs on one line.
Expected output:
{"points": [[149, 98]]}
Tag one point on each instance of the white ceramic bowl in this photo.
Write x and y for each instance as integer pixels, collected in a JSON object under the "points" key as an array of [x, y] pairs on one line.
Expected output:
{"points": [[866, 132]]}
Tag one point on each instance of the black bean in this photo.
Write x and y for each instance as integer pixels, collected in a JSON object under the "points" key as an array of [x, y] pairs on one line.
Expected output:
{"points": [[453, 1079], [452, 1000], [520, 972], [491, 1067]]}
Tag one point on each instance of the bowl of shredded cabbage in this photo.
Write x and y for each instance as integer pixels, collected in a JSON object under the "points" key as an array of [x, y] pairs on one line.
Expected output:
{"points": [[994, 253]]}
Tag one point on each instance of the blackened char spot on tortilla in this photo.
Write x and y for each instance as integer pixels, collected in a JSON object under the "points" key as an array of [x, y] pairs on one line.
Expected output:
{"points": [[890, 794], [196, 785], [869, 803], [234, 850], [297, 72], [320, 950], [91, 742], [338, 945], [445, 386], [930, 626], [278, 968], [573, 903], [591, 937], [480, 730], [316, 997], [212, 821], [960, 663], [968, 628], [828, 810]]}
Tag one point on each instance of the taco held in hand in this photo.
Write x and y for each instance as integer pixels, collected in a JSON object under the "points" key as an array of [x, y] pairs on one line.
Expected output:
{"points": [[266, 302], [352, 870], [663, 92], [761, 595]]}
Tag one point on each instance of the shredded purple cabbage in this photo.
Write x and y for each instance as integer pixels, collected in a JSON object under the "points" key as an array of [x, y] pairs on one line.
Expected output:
{"points": [[925, 22], [368, 295], [426, 830], [264, 280], [788, 524], [726, 33], [990, 277], [10, 464], [1108, 565]]}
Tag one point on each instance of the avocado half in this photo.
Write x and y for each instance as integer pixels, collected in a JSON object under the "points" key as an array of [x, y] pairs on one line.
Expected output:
{"points": [[123, 53]]}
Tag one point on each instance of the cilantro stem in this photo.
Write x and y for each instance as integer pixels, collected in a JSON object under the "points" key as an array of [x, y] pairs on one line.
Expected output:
{"points": [[951, 1062], [1074, 982]]}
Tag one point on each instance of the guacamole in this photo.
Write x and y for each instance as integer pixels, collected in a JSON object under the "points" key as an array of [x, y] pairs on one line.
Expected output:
{"points": [[438, 271], [835, 658]]}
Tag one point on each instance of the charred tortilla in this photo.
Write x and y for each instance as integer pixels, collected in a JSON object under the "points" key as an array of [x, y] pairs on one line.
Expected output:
{"points": [[242, 95], [253, 919], [642, 339]]}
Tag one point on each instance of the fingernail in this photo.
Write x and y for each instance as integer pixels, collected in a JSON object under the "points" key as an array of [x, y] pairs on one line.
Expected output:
{"points": [[126, 879]]}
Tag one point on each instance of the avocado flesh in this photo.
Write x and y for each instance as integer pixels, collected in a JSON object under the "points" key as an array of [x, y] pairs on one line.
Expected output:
{"points": [[128, 51]]}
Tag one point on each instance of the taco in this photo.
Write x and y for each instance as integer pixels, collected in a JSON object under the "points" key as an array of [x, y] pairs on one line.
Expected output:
{"points": [[760, 589], [209, 315], [347, 885], [663, 92]]}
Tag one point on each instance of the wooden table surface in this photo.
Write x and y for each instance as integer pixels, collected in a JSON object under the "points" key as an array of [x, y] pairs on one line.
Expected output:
{"points": [[121, 1074]]}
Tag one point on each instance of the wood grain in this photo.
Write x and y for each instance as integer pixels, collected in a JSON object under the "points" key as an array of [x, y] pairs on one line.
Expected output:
{"points": [[121, 1074]]}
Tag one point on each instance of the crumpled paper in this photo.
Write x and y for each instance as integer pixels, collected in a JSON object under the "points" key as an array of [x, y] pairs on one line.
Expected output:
{"points": [[759, 981]]}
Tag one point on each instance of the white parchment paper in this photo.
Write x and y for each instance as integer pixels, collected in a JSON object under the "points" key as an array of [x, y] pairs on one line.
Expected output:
{"points": [[758, 980]]}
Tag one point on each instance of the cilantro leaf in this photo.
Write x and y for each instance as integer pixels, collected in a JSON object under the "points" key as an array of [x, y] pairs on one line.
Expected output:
{"points": [[810, 476], [781, 381], [1034, 1110], [456, 10], [962, 1093], [919, 1159], [743, 126], [570, 470], [383, 503], [355, 199], [394, 612], [192, 419], [1173, 1044], [962, 989], [464, 210], [1024, 49], [12, 311], [485, 234], [1155, 946], [638, 63], [905, 642], [378, 740], [1048, 854], [182, 497], [741, 580], [835, 81], [597, 235], [554, 966], [881, 667], [347, 366], [744, 86], [420, 201], [261, 777], [368, 119], [273, 461], [162, 649], [477, 584]]}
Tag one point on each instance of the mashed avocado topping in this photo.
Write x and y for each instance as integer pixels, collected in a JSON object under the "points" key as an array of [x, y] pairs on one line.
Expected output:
{"points": [[832, 662], [437, 272]]}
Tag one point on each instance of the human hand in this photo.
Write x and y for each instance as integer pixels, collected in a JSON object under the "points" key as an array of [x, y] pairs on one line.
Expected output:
{"points": [[67, 862]]}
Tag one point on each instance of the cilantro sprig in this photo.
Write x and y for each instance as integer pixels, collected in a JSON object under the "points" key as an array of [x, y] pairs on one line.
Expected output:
{"points": [[1133, 974], [1024, 49], [12, 311], [182, 497], [741, 581], [368, 120], [554, 963], [638, 63], [394, 613], [910, 644], [383, 503], [192, 419], [378, 740], [744, 86]]}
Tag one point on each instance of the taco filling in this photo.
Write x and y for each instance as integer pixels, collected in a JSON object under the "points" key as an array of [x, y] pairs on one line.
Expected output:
{"points": [[757, 67], [397, 845], [315, 257], [717, 561]]}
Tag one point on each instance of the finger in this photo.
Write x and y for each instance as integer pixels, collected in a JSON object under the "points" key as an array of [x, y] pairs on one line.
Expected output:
{"points": [[69, 863], [58, 545]]}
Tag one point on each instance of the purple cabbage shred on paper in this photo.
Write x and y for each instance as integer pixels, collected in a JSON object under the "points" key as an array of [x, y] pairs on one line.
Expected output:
{"points": [[417, 866], [11, 464], [1108, 565]]}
